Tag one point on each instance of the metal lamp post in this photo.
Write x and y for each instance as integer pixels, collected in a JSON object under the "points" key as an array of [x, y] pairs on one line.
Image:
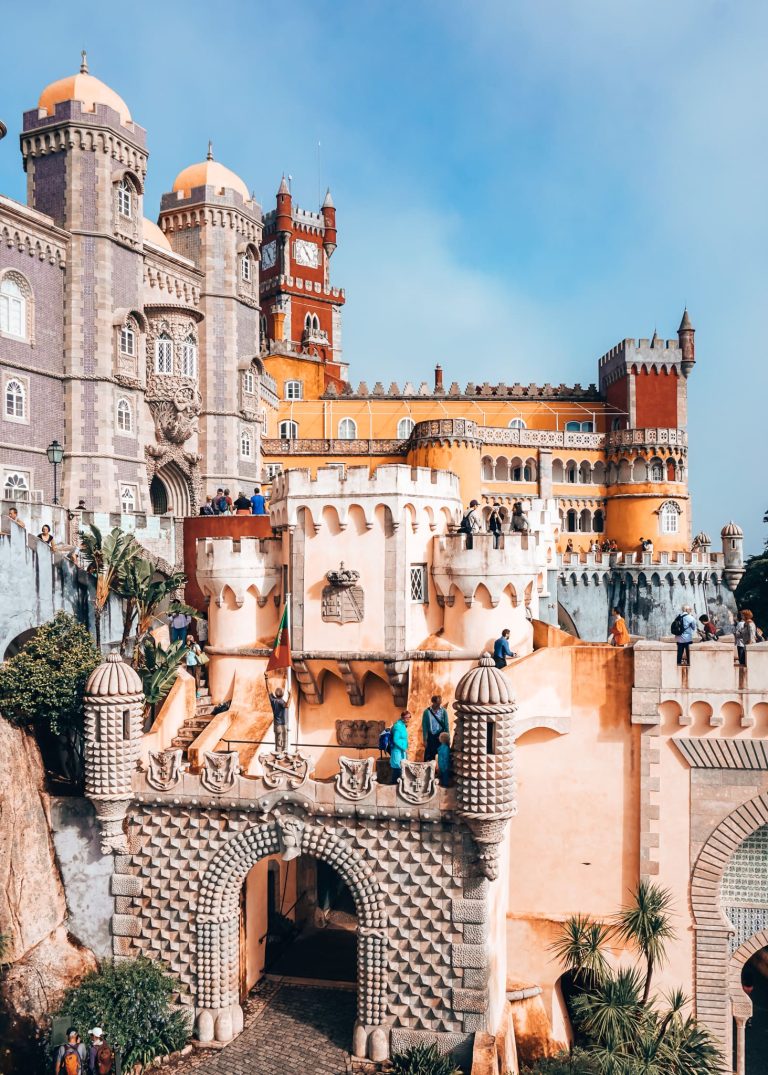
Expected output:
{"points": [[55, 454]]}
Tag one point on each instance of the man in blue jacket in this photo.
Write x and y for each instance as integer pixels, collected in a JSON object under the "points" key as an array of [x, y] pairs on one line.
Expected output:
{"points": [[502, 649], [434, 720]]}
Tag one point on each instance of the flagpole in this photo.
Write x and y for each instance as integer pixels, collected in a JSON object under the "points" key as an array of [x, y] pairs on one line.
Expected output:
{"points": [[289, 669]]}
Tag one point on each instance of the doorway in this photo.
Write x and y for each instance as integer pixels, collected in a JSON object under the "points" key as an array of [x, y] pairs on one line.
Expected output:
{"points": [[158, 496], [754, 982]]}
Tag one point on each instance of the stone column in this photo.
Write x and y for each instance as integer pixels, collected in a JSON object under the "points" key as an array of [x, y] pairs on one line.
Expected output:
{"points": [[219, 1015], [740, 1046], [545, 473]]}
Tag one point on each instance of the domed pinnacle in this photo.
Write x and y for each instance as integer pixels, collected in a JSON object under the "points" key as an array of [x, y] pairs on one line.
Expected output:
{"points": [[83, 62]]}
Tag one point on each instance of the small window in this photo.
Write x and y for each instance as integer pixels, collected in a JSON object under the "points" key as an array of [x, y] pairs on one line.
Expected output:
{"points": [[527, 474], [245, 268], [404, 428], [598, 522], [572, 474], [289, 430], [419, 590], [128, 499], [15, 400], [127, 341], [126, 724], [669, 517], [490, 737], [657, 472], [125, 199], [263, 420], [517, 423], [573, 427], [164, 354], [294, 390], [13, 308], [263, 328], [315, 323], [246, 445], [124, 416], [572, 522], [189, 357], [16, 485], [308, 323], [587, 427], [273, 469], [617, 424], [248, 383], [347, 429]]}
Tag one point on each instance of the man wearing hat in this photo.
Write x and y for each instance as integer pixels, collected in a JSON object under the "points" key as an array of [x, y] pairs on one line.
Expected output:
{"points": [[100, 1056]]}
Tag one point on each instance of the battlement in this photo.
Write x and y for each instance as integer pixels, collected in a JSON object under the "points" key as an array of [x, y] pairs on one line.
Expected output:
{"points": [[238, 564], [314, 286], [655, 561], [471, 391], [73, 112], [392, 485]]}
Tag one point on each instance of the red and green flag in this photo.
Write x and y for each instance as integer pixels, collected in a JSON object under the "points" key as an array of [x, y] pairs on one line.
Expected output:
{"points": [[281, 650]]}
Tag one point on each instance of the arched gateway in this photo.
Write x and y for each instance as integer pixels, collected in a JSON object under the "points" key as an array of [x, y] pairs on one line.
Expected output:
{"points": [[219, 1015]]}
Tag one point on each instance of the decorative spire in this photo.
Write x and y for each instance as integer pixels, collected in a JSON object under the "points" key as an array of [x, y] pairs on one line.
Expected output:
{"points": [[328, 200], [83, 63], [685, 324], [655, 337], [283, 188], [209, 154]]}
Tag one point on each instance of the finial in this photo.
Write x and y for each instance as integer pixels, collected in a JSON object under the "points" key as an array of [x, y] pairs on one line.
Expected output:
{"points": [[209, 155], [83, 63]]}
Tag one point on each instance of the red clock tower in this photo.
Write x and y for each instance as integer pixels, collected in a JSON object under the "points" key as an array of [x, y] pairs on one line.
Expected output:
{"points": [[300, 308]]}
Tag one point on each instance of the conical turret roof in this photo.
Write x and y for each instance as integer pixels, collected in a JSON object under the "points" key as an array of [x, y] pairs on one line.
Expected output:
{"points": [[484, 685], [114, 678]]}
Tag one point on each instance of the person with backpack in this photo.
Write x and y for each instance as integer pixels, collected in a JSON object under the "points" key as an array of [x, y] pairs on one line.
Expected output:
{"points": [[71, 1057], [399, 751], [495, 523], [684, 629], [101, 1058], [434, 721], [744, 634], [220, 505], [472, 523]]}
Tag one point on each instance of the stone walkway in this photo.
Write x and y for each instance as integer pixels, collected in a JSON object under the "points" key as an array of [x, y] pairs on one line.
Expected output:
{"points": [[289, 1030]]}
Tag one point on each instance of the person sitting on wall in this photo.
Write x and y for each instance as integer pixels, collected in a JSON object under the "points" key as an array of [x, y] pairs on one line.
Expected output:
{"points": [[399, 751], [744, 634], [618, 634], [502, 649], [519, 519], [46, 535], [708, 631], [495, 523], [434, 720], [279, 702], [258, 502], [13, 515], [444, 760], [569, 545], [242, 505], [207, 507]]}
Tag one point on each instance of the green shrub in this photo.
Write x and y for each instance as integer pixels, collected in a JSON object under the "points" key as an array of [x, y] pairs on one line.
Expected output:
{"points": [[423, 1060], [131, 1001], [43, 684], [576, 1063]]}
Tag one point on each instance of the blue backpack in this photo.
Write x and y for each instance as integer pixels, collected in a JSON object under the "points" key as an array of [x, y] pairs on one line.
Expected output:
{"points": [[386, 741]]}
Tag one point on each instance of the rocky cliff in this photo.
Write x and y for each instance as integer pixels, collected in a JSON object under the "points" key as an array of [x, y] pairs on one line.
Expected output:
{"points": [[42, 959]]}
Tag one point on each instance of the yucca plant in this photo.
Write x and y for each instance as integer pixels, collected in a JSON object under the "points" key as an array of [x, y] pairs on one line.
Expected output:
{"points": [[580, 948], [423, 1060], [645, 924], [144, 595], [158, 669], [105, 558]]}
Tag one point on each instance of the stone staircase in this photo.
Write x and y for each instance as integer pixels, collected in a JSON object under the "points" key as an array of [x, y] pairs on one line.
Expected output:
{"points": [[192, 727]]}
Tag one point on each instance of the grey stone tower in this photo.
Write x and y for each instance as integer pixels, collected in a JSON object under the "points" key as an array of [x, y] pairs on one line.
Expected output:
{"points": [[484, 759]]}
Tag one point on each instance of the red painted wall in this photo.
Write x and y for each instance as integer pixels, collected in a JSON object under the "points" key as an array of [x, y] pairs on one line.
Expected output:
{"points": [[202, 526], [656, 399]]}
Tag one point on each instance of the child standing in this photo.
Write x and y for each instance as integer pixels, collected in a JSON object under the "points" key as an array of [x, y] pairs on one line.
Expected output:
{"points": [[444, 759]]}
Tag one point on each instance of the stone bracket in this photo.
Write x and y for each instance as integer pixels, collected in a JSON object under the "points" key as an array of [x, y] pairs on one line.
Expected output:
{"points": [[351, 682], [308, 682], [398, 674]]}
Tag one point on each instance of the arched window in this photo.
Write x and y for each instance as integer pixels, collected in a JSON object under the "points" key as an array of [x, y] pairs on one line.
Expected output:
{"points": [[263, 420], [246, 445], [15, 399], [189, 357], [125, 199], [572, 473], [289, 430], [404, 428], [587, 427], [245, 268], [294, 390], [573, 427], [347, 429], [308, 323], [315, 323], [657, 471], [164, 354], [516, 423], [16, 485], [585, 521], [124, 416], [585, 473], [13, 307], [527, 473], [248, 383], [127, 341], [669, 518], [671, 470], [598, 522], [572, 522], [128, 499], [263, 327]]}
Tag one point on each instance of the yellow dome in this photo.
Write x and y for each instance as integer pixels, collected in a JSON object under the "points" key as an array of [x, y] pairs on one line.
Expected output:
{"points": [[85, 88], [209, 173], [151, 233]]}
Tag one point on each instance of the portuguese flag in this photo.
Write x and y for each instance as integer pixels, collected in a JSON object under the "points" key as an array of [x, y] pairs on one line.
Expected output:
{"points": [[281, 650]]}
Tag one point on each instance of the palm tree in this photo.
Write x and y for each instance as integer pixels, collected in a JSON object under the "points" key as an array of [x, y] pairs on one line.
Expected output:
{"points": [[105, 558], [144, 595], [158, 668], [580, 948], [645, 924]]}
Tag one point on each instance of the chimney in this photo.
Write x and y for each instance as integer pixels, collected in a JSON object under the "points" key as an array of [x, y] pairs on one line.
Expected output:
{"points": [[439, 379]]}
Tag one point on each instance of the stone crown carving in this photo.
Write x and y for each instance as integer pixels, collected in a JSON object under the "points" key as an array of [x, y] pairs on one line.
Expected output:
{"points": [[344, 578]]}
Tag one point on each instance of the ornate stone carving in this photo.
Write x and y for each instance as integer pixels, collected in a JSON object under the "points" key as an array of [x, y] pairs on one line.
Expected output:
{"points": [[361, 734], [355, 779], [289, 833], [417, 784], [175, 409], [343, 601], [164, 771], [220, 770], [284, 770]]}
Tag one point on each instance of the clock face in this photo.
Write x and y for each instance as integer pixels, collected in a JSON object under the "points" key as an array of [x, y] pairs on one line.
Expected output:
{"points": [[268, 255], [306, 253]]}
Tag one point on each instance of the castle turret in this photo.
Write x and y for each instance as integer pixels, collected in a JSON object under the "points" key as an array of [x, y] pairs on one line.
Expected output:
{"points": [[685, 335], [114, 700], [733, 553], [284, 208], [484, 758], [329, 219]]}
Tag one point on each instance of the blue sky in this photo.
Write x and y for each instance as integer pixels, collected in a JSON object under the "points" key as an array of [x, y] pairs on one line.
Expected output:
{"points": [[519, 185]]}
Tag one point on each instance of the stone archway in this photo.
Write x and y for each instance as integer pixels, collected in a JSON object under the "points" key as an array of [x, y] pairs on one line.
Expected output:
{"points": [[741, 1004], [715, 949], [218, 1012]]}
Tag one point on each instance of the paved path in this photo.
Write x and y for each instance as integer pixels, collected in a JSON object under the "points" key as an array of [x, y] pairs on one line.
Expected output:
{"points": [[290, 1030]]}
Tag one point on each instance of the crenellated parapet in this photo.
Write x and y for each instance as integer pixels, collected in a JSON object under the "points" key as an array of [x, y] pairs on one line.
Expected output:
{"points": [[404, 491], [239, 565]]}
